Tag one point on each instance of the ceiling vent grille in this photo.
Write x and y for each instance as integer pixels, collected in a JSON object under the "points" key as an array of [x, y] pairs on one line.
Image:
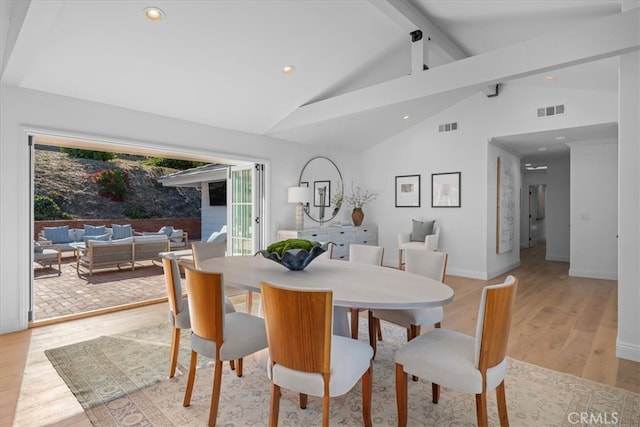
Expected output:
{"points": [[553, 110], [448, 127]]}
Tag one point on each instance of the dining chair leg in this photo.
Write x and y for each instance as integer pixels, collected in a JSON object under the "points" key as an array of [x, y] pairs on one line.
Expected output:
{"points": [[373, 323], [249, 301], [304, 398], [190, 379], [232, 365], [502, 405], [325, 410], [367, 383], [401, 395], [275, 405], [435, 392], [173, 357], [379, 328], [354, 322], [414, 332], [239, 368], [215, 392], [481, 409]]}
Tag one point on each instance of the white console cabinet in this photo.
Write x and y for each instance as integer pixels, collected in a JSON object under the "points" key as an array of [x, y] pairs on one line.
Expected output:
{"points": [[341, 236]]}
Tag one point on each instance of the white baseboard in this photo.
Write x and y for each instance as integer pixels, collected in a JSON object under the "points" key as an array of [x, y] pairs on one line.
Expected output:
{"points": [[495, 273], [628, 351], [471, 274], [560, 258], [593, 274]]}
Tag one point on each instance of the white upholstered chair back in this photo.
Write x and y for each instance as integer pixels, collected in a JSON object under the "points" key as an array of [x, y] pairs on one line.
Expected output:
{"points": [[431, 264], [207, 250], [366, 254]]}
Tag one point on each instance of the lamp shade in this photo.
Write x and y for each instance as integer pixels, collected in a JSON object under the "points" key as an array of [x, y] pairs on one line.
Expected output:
{"points": [[299, 195]]}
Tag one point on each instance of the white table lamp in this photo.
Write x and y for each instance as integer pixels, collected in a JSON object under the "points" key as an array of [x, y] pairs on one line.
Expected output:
{"points": [[301, 196]]}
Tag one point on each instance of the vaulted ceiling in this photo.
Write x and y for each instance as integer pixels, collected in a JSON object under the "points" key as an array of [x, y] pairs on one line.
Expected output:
{"points": [[357, 73]]}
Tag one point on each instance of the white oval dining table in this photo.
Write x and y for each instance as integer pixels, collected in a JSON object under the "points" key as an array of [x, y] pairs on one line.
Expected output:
{"points": [[354, 285]]}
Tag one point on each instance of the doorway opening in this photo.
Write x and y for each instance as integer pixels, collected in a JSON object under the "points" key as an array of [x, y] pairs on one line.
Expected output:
{"points": [[71, 292]]}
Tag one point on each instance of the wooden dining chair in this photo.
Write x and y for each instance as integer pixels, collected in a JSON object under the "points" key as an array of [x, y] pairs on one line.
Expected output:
{"points": [[302, 348], [463, 363], [179, 307], [206, 250], [430, 264], [216, 334], [364, 254]]}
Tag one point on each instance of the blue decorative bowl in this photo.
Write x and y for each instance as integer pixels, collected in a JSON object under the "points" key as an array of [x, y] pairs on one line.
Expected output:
{"points": [[296, 259]]}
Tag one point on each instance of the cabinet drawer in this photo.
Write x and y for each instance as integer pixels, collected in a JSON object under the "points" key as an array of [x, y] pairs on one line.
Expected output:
{"points": [[318, 236], [341, 251]]}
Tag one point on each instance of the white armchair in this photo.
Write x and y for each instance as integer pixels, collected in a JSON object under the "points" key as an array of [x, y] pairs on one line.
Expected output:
{"points": [[430, 243]]}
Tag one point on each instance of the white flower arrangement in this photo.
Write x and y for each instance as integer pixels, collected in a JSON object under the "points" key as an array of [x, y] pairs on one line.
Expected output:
{"points": [[359, 197]]}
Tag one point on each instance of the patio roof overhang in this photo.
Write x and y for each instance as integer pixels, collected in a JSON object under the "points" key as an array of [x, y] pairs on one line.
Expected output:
{"points": [[194, 177]]}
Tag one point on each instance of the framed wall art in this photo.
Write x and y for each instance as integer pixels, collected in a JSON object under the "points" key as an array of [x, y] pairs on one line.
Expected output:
{"points": [[506, 206], [408, 191], [445, 190]]}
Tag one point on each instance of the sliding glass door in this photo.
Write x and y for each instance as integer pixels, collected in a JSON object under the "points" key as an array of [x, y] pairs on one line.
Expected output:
{"points": [[245, 217]]}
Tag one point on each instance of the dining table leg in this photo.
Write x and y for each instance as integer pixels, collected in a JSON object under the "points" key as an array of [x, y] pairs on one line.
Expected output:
{"points": [[341, 322]]}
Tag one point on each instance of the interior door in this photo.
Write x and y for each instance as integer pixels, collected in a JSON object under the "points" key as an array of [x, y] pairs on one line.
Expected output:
{"points": [[246, 234]]}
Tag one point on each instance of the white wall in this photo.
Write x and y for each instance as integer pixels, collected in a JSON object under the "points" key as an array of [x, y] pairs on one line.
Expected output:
{"points": [[468, 232], [594, 209], [20, 109], [628, 343]]}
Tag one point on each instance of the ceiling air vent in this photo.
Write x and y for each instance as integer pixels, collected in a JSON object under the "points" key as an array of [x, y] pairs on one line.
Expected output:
{"points": [[448, 127], [552, 110]]}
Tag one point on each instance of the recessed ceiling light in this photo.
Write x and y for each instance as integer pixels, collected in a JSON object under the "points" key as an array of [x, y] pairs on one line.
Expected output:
{"points": [[406, 117], [542, 149], [154, 14], [527, 164], [549, 78], [288, 69], [560, 138]]}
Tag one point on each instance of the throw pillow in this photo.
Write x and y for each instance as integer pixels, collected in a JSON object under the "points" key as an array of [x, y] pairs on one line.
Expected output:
{"points": [[94, 230], [102, 238], [176, 235], [57, 234], [167, 229], [213, 236], [121, 231], [420, 230]]}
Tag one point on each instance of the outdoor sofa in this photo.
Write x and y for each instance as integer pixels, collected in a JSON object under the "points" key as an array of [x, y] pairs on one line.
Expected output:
{"points": [[67, 237], [100, 254], [177, 238]]}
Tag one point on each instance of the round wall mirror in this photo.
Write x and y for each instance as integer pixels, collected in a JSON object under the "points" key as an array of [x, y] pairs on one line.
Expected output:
{"points": [[324, 179]]}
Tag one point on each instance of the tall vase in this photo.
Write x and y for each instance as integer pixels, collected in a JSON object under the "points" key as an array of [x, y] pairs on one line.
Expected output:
{"points": [[357, 216]]}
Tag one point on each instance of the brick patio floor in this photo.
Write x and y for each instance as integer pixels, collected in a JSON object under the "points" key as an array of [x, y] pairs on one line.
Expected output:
{"points": [[69, 294]]}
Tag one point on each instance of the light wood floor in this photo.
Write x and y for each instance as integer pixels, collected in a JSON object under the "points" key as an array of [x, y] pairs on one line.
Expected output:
{"points": [[563, 323]]}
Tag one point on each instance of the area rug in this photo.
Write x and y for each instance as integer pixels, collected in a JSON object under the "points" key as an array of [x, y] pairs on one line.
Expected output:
{"points": [[122, 380]]}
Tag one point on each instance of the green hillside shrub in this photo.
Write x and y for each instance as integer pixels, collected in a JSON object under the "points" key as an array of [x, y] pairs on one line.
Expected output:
{"points": [[88, 154], [44, 208], [112, 183]]}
